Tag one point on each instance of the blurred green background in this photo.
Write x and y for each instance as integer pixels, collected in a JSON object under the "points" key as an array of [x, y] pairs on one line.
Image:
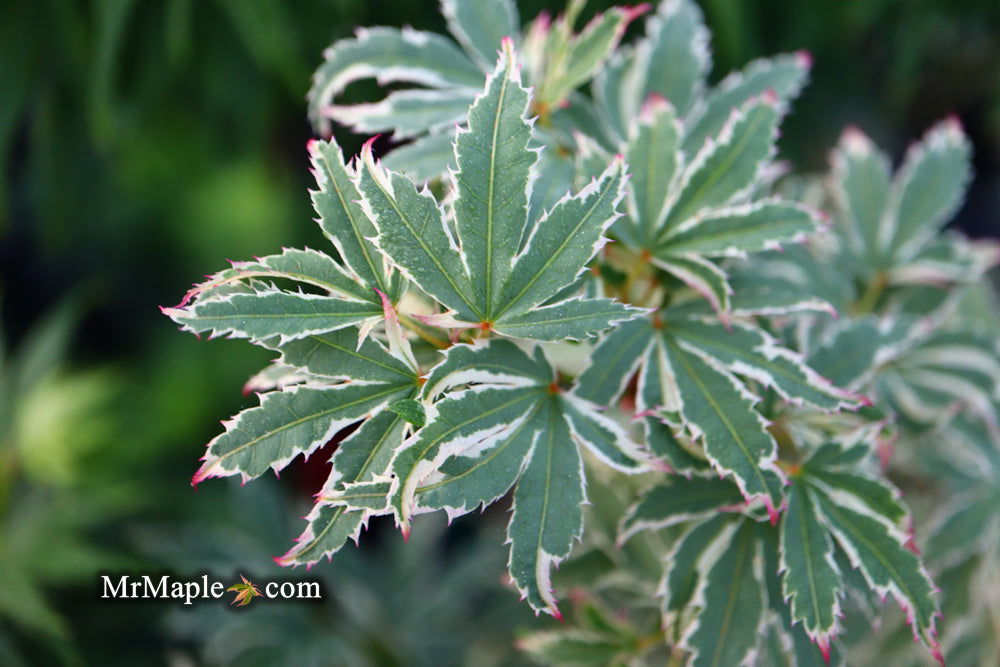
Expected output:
{"points": [[144, 143]]}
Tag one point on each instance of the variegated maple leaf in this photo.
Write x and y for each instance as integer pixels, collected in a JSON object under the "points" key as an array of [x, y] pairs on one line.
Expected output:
{"points": [[500, 420], [450, 75], [694, 394], [844, 527], [344, 359], [481, 258]]}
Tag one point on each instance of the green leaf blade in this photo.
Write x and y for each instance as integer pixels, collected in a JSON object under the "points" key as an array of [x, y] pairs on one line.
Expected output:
{"points": [[732, 614], [463, 420], [562, 242], [735, 439], [782, 75], [678, 500], [358, 458], [861, 181], [654, 159], [573, 319], [673, 59], [751, 352], [338, 355], [930, 186], [287, 424], [391, 55], [811, 577], [738, 230], [614, 361], [491, 184], [547, 517], [260, 316], [480, 26], [413, 234], [887, 565], [729, 165], [477, 479]]}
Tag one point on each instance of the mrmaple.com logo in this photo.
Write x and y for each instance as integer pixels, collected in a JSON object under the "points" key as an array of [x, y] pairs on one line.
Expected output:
{"points": [[167, 587]]}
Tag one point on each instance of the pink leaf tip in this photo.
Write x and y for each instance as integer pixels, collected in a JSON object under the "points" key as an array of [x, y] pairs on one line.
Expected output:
{"points": [[367, 146], [804, 58], [824, 648], [634, 12]]}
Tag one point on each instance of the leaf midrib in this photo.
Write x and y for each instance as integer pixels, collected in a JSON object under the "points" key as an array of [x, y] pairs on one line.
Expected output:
{"points": [[423, 245], [721, 414], [485, 461], [489, 196], [357, 354], [301, 420], [727, 617], [362, 244], [739, 354], [714, 177], [899, 581]]}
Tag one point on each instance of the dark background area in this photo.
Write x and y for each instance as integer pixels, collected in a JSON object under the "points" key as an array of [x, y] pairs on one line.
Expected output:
{"points": [[144, 143]]}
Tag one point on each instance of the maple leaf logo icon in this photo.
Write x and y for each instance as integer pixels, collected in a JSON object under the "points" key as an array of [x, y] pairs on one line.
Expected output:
{"points": [[245, 592]]}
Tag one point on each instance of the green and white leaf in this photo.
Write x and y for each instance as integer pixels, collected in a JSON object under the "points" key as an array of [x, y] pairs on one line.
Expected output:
{"points": [[413, 234], [407, 113], [263, 315], [493, 179], [929, 187], [339, 356], [389, 55], [738, 230], [476, 479], [562, 242], [547, 512], [655, 161], [703, 276], [614, 361], [423, 159], [474, 417], [811, 580], [673, 59], [573, 319], [686, 565], [861, 182], [480, 26], [887, 565], [732, 602], [728, 166], [288, 423], [720, 413], [751, 352], [362, 456], [343, 221], [305, 267], [678, 500], [563, 61], [782, 76]]}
